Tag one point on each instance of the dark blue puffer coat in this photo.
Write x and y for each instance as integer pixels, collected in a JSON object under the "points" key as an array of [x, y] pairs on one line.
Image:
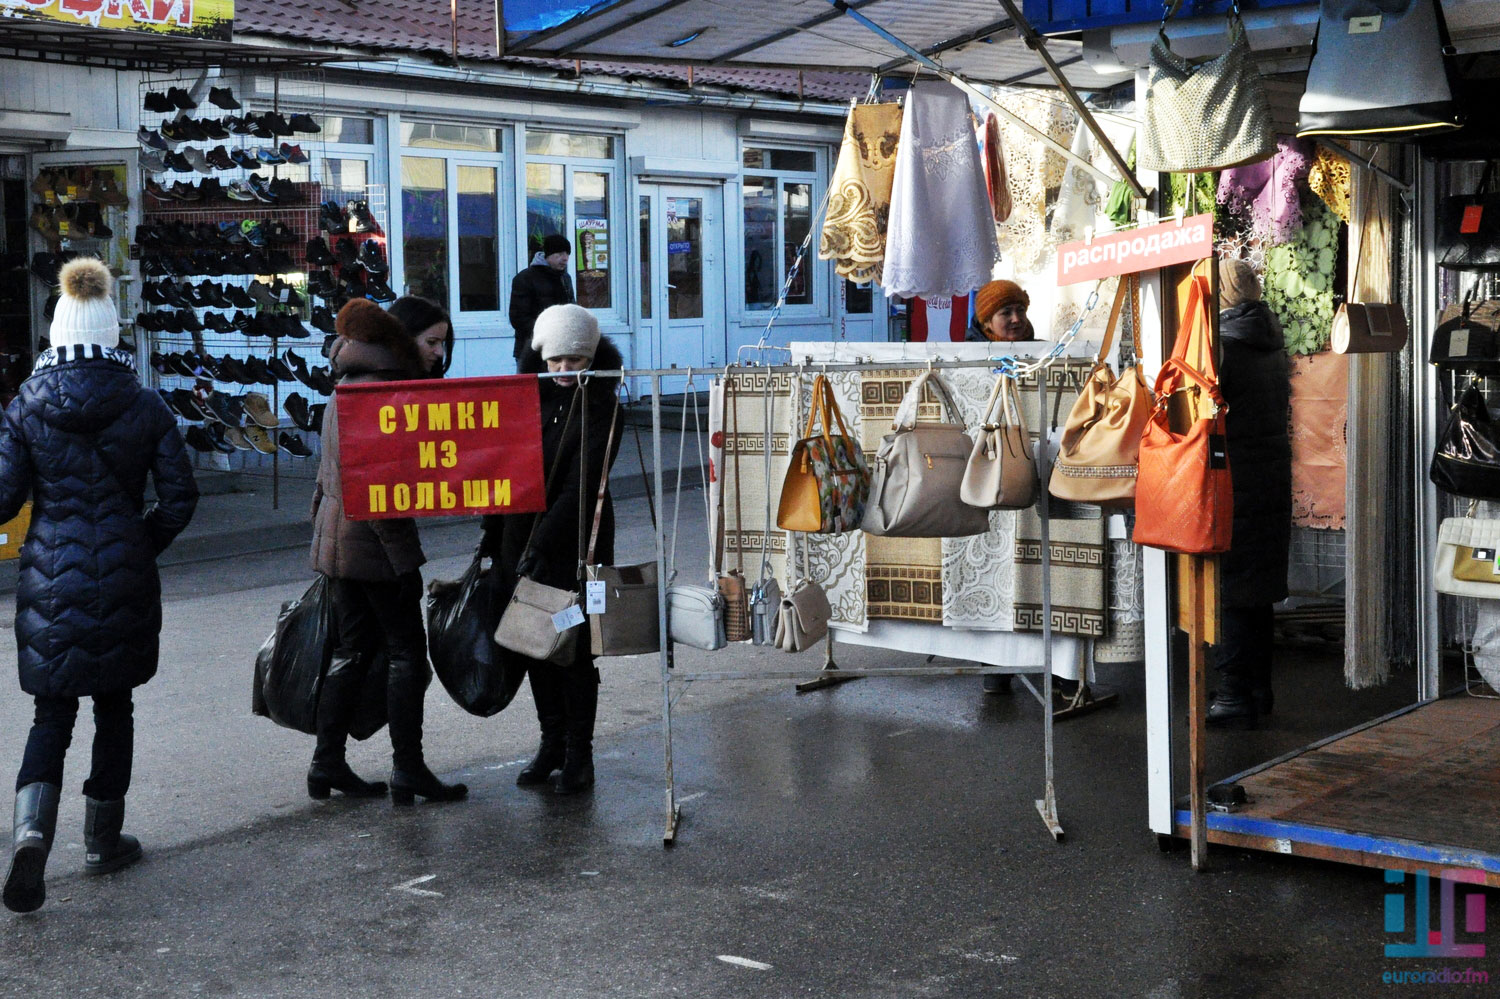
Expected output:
{"points": [[80, 439]]}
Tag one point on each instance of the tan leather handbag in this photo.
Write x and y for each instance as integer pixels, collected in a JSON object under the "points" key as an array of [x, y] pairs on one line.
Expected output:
{"points": [[1100, 451], [628, 625], [1001, 474], [804, 614], [914, 486]]}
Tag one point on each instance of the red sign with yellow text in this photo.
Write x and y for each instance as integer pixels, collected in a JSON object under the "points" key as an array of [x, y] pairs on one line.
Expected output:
{"points": [[441, 448]]}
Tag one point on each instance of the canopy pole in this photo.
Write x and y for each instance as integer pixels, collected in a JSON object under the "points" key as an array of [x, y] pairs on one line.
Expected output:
{"points": [[974, 91], [1038, 44]]}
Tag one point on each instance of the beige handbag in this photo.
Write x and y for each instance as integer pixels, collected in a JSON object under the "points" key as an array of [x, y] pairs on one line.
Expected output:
{"points": [[1208, 116], [529, 625], [1100, 452], [914, 485], [1001, 474], [804, 615]]}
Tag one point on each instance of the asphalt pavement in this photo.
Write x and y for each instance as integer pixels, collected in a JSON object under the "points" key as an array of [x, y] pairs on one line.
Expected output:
{"points": [[876, 839]]}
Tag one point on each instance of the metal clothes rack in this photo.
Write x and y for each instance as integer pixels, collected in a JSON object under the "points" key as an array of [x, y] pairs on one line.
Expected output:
{"points": [[1046, 805]]}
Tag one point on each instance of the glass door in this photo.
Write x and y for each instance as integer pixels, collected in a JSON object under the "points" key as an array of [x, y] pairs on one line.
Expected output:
{"points": [[682, 277]]}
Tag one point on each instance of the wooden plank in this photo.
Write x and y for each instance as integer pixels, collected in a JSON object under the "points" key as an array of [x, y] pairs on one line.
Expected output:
{"points": [[1198, 717]]}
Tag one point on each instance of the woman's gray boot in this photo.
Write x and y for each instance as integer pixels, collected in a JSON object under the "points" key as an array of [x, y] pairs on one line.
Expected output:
{"points": [[36, 820], [107, 849]]}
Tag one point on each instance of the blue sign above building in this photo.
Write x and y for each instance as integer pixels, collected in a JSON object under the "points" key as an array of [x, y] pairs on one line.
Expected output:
{"points": [[1056, 16]]}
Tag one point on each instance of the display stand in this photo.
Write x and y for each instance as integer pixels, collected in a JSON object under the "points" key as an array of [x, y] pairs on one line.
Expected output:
{"points": [[1046, 805]]}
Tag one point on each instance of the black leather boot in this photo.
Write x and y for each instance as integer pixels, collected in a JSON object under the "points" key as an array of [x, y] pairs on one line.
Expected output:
{"points": [[31, 841], [405, 690], [581, 688], [337, 703], [551, 714], [106, 848], [1232, 709]]}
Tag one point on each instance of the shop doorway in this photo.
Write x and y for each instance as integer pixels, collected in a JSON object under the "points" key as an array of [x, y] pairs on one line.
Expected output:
{"points": [[681, 236]]}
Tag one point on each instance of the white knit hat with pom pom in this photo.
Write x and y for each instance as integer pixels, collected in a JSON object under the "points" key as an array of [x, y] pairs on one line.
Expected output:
{"points": [[86, 314]]}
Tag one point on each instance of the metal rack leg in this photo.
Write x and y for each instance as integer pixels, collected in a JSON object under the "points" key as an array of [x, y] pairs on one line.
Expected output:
{"points": [[1047, 804], [830, 677], [674, 811]]}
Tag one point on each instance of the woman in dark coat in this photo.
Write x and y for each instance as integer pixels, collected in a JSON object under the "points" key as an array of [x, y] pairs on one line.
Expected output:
{"points": [[377, 591], [566, 338], [79, 440], [1254, 380]]}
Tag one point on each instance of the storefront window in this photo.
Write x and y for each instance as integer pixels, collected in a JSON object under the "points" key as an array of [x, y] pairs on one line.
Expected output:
{"points": [[348, 131], [546, 212], [478, 240], [778, 205], [424, 221], [591, 259], [684, 258], [859, 299], [431, 135], [572, 145], [345, 179]]}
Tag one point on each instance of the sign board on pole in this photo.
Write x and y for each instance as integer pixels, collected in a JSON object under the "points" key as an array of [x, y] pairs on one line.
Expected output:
{"points": [[1143, 249], [441, 448]]}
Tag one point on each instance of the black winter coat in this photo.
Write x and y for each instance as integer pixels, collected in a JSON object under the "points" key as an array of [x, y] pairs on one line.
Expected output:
{"points": [[80, 439], [536, 288], [1255, 381], [555, 549]]}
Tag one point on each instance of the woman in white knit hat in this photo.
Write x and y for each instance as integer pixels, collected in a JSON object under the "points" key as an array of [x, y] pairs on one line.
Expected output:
{"points": [[566, 338], [80, 439]]}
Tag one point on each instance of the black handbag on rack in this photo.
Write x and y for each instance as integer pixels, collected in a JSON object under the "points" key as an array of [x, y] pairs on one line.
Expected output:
{"points": [[1468, 228], [1467, 337], [1467, 460]]}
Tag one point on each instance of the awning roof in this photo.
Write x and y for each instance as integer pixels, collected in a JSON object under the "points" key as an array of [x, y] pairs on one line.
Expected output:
{"points": [[973, 38], [80, 45]]}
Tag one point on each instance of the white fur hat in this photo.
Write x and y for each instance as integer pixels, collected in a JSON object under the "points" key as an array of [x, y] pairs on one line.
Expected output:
{"points": [[86, 314], [565, 331]]}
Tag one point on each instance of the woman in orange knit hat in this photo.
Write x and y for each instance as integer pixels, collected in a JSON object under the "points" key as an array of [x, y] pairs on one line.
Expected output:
{"points": [[1000, 314]]}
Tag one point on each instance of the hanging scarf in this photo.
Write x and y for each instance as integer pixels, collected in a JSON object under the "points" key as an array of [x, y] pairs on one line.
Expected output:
{"points": [[1264, 195], [1329, 178], [859, 201], [941, 240]]}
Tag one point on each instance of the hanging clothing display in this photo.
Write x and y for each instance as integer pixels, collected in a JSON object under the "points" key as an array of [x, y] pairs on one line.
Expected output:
{"points": [[1079, 556], [1330, 179], [941, 240], [1264, 196], [859, 198], [1299, 279], [1320, 400], [992, 153], [1032, 169]]}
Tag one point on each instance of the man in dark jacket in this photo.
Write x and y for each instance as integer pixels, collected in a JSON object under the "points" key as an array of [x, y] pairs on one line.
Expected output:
{"points": [[567, 339], [79, 440], [542, 285], [1254, 380]]}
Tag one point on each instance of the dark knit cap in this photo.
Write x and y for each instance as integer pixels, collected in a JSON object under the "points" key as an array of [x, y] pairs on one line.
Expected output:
{"points": [[556, 244]]}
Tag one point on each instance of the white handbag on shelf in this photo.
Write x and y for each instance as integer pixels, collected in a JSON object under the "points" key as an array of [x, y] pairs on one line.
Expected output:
{"points": [[1468, 558], [695, 614]]}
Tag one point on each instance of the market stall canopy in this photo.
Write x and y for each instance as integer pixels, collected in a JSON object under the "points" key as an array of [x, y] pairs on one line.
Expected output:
{"points": [[975, 39], [82, 45]]}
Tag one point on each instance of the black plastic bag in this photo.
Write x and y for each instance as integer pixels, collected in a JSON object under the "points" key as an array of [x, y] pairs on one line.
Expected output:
{"points": [[479, 675], [290, 665]]}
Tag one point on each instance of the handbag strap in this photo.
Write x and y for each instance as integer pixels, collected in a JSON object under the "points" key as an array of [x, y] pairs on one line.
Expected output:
{"points": [[1122, 290], [732, 406], [551, 475], [689, 390], [1196, 325], [604, 486], [912, 401], [769, 411]]}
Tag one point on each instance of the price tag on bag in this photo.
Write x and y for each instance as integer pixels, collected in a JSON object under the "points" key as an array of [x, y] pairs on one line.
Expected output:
{"points": [[594, 591], [1469, 225], [565, 619]]}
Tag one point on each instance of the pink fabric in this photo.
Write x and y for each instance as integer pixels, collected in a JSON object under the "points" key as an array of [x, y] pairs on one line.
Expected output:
{"points": [[1265, 195], [1320, 409]]}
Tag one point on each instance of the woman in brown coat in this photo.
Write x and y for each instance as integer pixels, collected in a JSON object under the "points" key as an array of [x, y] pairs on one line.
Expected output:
{"points": [[372, 566]]}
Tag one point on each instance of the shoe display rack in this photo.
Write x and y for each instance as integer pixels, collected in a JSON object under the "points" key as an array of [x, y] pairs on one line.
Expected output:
{"points": [[78, 210], [224, 246]]}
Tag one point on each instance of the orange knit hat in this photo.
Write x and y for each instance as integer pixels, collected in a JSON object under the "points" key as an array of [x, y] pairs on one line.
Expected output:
{"points": [[997, 295]]}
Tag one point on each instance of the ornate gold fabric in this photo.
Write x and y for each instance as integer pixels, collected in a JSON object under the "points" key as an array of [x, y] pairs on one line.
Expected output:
{"points": [[859, 203], [1330, 180]]}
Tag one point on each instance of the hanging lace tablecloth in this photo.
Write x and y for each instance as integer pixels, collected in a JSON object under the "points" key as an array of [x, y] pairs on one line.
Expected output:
{"points": [[941, 240], [1032, 169], [1330, 179], [859, 200], [1264, 195]]}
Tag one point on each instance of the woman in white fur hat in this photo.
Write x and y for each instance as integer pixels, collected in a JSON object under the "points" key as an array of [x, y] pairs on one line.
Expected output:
{"points": [[80, 439]]}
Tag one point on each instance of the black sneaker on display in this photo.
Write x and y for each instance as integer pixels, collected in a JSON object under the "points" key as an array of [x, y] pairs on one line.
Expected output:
{"points": [[181, 99], [158, 103], [296, 408], [372, 257], [197, 438], [360, 217], [213, 128], [220, 158], [256, 368], [238, 297], [377, 289], [218, 323], [278, 367], [286, 192], [223, 97], [294, 445], [345, 252], [297, 365], [331, 217], [218, 436], [244, 158], [305, 124], [260, 189], [257, 126], [279, 125], [315, 415], [226, 408], [317, 253], [178, 162], [230, 370]]}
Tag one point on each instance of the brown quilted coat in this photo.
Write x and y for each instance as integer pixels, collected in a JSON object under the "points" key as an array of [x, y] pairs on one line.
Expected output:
{"points": [[371, 347]]}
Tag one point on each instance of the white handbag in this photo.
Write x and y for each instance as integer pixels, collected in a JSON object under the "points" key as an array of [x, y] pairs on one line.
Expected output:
{"points": [[695, 614], [1468, 558]]}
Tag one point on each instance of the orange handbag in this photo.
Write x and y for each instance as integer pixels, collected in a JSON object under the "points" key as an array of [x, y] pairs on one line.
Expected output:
{"points": [[1184, 500]]}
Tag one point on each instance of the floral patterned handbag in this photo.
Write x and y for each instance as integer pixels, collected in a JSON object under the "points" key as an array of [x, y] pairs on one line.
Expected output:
{"points": [[827, 480]]}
